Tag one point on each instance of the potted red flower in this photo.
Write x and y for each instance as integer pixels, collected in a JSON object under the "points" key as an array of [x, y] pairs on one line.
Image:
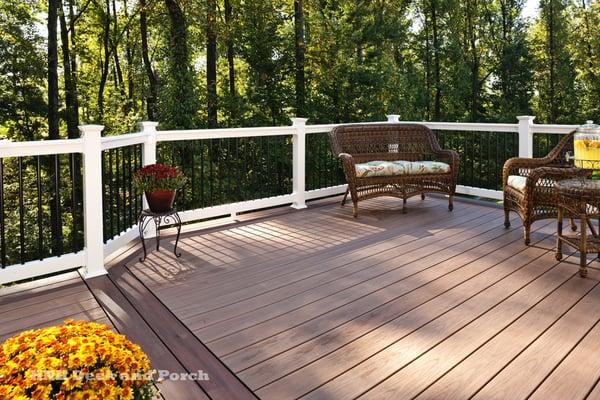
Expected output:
{"points": [[159, 183]]}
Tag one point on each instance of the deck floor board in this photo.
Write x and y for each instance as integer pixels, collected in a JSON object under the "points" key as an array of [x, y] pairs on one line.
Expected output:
{"points": [[315, 304]]}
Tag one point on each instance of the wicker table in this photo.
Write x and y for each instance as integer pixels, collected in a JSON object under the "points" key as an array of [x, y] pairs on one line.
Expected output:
{"points": [[165, 218], [579, 198]]}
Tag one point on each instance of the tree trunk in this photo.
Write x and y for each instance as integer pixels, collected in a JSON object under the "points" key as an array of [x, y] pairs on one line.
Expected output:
{"points": [[427, 66], [70, 94], [230, 49], [129, 55], [115, 52], [52, 168], [211, 62], [183, 85], [300, 58], [552, 66], [437, 107], [105, 60], [152, 80]]}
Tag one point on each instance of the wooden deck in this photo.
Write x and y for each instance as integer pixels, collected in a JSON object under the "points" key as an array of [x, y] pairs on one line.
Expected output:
{"points": [[314, 304]]}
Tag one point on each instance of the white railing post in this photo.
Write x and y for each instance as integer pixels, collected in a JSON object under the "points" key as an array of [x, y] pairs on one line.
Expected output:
{"points": [[525, 136], [149, 149], [92, 201], [392, 118], [299, 174]]}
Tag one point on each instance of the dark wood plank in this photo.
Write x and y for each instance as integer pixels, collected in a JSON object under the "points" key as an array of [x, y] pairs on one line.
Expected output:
{"points": [[128, 321], [385, 269], [300, 266], [418, 330], [328, 278], [496, 305], [576, 376], [542, 356], [470, 375], [189, 351], [319, 337]]}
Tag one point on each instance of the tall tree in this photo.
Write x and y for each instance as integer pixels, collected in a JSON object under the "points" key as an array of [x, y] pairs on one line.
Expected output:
{"points": [[513, 86], [179, 103], [105, 58], [230, 46], [555, 75], [152, 96], [70, 82], [53, 96], [300, 50], [211, 62], [52, 166]]}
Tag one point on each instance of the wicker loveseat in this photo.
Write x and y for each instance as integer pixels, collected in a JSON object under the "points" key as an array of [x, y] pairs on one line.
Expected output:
{"points": [[400, 160], [528, 184]]}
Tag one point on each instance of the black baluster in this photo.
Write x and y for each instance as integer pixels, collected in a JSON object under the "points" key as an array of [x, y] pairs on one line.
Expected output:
{"points": [[73, 203], [38, 176], [111, 193], [105, 205], [130, 186], [210, 172], [118, 189], [2, 225], [21, 211], [202, 146], [58, 209], [193, 174]]}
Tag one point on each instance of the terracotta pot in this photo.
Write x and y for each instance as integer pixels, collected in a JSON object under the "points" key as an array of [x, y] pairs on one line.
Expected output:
{"points": [[160, 201]]}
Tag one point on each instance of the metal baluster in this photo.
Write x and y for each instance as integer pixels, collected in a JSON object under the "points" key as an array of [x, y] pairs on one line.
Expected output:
{"points": [[193, 175], [21, 211], [239, 167], [73, 203], [111, 193], [38, 176], [220, 169], [202, 146], [2, 225], [210, 173], [118, 188], [58, 210], [130, 186], [105, 212]]}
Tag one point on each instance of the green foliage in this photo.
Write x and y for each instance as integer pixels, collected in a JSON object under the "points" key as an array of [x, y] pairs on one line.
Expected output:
{"points": [[22, 80]]}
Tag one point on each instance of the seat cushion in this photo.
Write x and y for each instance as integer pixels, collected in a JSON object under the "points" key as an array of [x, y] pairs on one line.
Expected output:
{"points": [[517, 182], [396, 168]]}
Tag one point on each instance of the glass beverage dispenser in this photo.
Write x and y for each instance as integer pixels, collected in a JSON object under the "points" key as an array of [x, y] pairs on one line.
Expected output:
{"points": [[587, 146]]}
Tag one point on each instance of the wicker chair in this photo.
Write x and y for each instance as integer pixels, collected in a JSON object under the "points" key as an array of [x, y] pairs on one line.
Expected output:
{"points": [[529, 185], [396, 144]]}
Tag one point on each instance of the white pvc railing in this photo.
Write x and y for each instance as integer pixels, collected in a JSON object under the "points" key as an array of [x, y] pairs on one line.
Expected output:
{"points": [[91, 259]]}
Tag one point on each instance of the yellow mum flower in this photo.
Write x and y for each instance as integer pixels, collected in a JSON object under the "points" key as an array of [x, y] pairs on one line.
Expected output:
{"points": [[75, 360]]}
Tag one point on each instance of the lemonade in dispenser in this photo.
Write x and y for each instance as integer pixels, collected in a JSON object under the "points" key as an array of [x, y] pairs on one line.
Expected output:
{"points": [[587, 146]]}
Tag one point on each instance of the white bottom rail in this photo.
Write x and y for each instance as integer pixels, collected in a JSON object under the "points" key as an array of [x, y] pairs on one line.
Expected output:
{"points": [[32, 269]]}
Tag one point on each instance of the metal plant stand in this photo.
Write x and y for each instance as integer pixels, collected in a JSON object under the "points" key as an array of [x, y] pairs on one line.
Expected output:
{"points": [[579, 198], [170, 217]]}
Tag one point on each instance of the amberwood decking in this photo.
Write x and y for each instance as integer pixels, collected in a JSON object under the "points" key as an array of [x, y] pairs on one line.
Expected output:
{"points": [[315, 304]]}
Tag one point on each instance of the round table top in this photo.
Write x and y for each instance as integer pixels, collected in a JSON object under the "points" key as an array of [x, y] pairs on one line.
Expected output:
{"points": [[575, 186]]}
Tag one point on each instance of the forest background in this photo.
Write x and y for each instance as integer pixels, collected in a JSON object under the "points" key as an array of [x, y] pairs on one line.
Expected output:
{"points": [[231, 63]]}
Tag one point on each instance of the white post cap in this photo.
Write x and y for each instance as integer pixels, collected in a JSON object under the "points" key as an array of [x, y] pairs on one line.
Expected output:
{"points": [[393, 118], [298, 121], [148, 124], [526, 118]]}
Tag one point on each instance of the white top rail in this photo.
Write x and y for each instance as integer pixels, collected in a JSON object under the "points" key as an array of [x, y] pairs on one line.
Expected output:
{"points": [[444, 126], [195, 134], [553, 129], [113, 142], [40, 147]]}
